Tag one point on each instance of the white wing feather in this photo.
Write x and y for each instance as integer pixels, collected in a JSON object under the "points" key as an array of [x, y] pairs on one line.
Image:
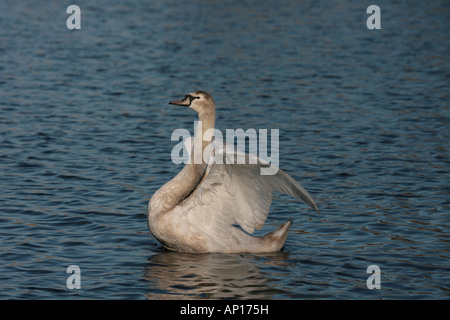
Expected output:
{"points": [[239, 194]]}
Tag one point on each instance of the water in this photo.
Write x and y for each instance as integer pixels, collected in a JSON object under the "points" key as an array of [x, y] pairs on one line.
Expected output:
{"points": [[85, 141]]}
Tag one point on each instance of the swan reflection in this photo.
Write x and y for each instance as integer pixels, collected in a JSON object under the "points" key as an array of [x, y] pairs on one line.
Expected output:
{"points": [[175, 275]]}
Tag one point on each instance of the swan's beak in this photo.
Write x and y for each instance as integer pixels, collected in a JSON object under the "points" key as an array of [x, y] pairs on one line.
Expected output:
{"points": [[183, 102]]}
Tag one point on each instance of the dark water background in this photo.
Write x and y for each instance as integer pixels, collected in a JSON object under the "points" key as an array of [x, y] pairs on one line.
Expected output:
{"points": [[85, 141]]}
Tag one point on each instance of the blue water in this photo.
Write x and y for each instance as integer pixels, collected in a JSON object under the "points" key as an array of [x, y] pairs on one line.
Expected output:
{"points": [[85, 131]]}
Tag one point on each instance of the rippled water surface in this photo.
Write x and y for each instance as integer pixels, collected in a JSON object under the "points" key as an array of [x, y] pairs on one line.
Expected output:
{"points": [[85, 141]]}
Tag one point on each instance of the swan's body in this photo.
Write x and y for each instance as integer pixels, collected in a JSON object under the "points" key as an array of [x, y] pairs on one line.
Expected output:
{"points": [[198, 209]]}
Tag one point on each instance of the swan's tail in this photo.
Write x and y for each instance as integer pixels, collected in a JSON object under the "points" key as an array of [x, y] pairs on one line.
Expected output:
{"points": [[275, 240]]}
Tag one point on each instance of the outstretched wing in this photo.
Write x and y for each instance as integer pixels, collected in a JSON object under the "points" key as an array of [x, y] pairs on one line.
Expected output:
{"points": [[239, 194]]}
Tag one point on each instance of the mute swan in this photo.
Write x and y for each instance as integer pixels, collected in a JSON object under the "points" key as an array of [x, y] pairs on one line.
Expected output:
{"points": [[198, 210]]}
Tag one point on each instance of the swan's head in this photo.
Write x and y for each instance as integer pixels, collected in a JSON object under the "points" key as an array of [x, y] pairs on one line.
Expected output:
{"points": [[200, 101]]}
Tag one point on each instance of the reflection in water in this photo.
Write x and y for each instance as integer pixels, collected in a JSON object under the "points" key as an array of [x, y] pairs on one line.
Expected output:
{"points": [[175, 275]]}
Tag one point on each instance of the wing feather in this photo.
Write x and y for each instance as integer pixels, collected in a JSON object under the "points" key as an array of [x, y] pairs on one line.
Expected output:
{"points": [[239, 194]]}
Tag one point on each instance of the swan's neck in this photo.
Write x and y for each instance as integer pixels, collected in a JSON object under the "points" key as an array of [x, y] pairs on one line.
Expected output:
{"points": [[201, 139], [185, 182]]}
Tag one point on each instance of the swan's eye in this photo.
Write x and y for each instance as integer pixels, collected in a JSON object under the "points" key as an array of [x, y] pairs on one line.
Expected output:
{"points": [[191, 98]]}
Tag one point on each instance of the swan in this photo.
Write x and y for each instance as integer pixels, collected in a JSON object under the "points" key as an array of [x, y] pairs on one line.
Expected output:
{"points": [[213, 207]]}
